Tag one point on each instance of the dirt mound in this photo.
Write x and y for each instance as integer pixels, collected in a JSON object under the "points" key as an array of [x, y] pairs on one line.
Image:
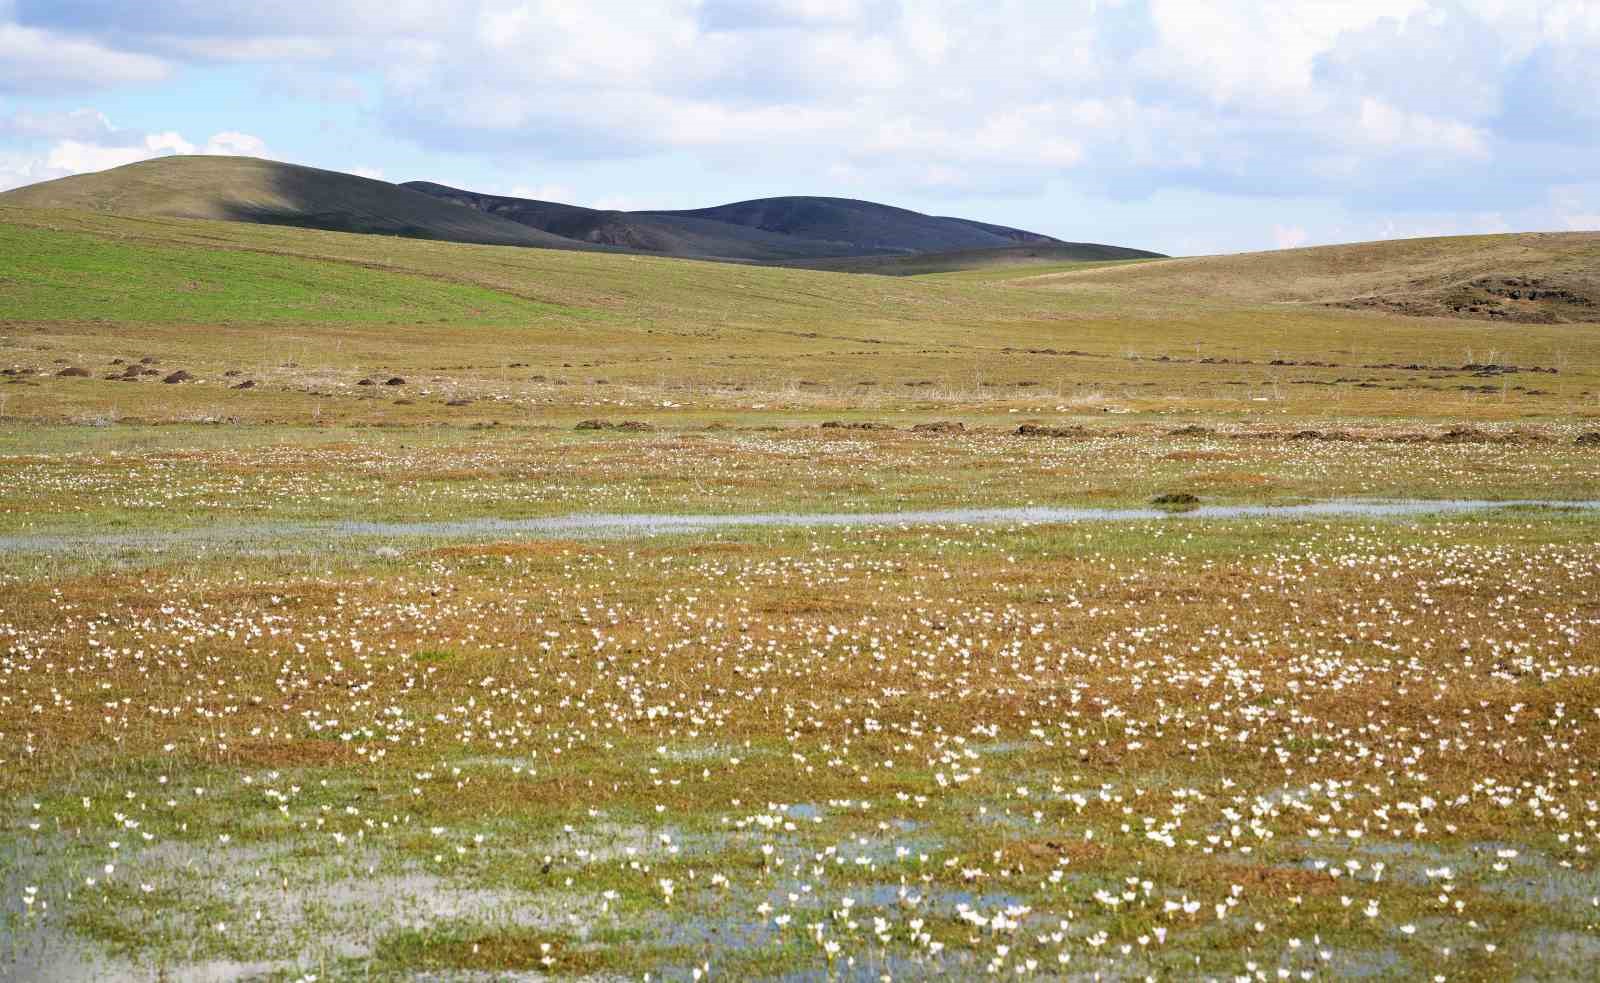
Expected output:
{"points": [[1590, 439], [1035, 430], [1176, 499], [73, 372], [1555, 298], [866, 425], [182, 375], [1466, 435], [940, 426]]}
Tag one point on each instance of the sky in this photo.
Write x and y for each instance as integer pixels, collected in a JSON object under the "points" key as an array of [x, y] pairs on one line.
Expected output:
{"points": [[1177, 125]]}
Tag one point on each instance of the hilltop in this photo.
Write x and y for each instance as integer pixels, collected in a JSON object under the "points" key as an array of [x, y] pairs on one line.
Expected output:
{"points": [[1528, 278], [792, 230], [244, 189], [789, 231]]}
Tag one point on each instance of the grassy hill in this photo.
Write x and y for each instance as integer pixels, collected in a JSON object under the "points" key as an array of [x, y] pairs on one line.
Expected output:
{"points": [[790, 231], [863, 227], [244, 189], [1526, 278], [776, 230], [537, 334], [662, 233]]}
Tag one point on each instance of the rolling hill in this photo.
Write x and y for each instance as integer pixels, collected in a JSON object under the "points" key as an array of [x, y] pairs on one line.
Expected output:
{"points": [[662, 233], [793, 230], [320, 321], [1525, 278], [244, 189]]}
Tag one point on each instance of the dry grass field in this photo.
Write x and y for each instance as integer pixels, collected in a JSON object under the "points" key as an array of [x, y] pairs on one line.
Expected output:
{"points": [[286, 693]]}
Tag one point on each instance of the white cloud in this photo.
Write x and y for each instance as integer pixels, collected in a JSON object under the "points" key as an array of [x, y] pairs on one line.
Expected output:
{"points": [[82, 124], [1390, 128], [544, 192], [90, 143], [1289, 236], [1576, 208], [78, 157], [1257, 53], [17, 170], [615, 203], [1406, 103], [234, 144], [36, 61]]}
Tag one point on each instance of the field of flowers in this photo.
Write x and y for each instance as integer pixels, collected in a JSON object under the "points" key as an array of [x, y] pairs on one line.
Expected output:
{"points": [[1263, 749], [88, 480], [280, 700]]}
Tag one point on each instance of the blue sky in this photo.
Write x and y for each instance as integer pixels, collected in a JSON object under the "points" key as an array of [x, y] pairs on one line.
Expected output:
{"points": [[1176, 125]]}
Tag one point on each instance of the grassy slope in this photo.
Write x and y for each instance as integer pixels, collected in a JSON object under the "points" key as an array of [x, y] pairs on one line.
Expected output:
{"points": [[245, 189], [988, 264], [1326, 274], [68, 276], [715, 338]]}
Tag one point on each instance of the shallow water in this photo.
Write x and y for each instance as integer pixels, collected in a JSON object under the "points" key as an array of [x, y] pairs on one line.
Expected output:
{"points": [[600, 525], [1028, 515]]}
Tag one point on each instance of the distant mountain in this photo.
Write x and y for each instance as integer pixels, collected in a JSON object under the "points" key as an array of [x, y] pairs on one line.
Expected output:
{"points": [[244, 189], [862, 227], [666, 233], [787, 231]]}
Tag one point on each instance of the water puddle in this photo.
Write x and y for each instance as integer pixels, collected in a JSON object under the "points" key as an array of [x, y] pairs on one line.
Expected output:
{"points": [[613, 526]]}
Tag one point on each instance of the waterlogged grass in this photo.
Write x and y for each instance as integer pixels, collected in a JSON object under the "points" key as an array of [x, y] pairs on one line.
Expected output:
{"points": [[98, 481], [1328, 747], [233, 746]]}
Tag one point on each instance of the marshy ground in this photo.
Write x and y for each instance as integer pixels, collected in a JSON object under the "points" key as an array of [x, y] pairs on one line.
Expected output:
{"points": [[236, 746]]}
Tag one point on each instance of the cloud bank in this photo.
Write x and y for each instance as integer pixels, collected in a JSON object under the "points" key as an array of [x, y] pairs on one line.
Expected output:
{"points": [[1405, 107]]}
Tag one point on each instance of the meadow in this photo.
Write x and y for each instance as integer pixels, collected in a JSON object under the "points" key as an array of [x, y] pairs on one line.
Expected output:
{"points": [[240, 741]]}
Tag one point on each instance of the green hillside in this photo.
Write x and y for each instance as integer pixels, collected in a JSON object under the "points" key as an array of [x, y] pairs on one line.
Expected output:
{"points": [[244, 189], [535, 331]]}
